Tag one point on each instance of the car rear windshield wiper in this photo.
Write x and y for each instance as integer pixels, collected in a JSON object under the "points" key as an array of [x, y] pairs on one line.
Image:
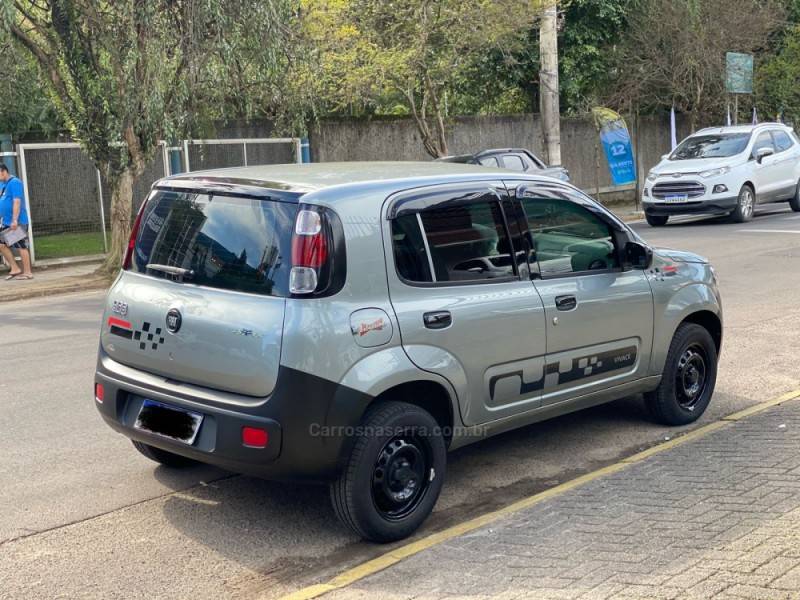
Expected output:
{"points": [[170, 270]]}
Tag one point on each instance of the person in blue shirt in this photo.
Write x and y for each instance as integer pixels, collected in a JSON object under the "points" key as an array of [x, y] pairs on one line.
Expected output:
{"points": [[13, 216]]}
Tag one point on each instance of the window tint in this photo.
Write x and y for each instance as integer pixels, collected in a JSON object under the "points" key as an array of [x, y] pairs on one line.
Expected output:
{"points": [[782, 140], [512, 161], [764, 140], [489, 161], [467, 242], [241, 244], [568, 238]]}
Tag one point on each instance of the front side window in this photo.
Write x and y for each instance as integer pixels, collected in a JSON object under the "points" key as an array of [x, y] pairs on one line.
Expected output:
{"points": [[231, 243], [764, 140], [451, 244], [782, 141], [717, 145], [489, 161], [568, 238]]}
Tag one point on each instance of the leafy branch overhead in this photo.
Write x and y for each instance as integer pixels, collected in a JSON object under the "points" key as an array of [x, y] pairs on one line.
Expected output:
{"points": [[372, 53], [125, 74]]}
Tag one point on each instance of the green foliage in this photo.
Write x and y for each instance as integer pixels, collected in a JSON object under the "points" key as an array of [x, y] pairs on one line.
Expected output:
{"points": [[776, 79], [24, 105]]}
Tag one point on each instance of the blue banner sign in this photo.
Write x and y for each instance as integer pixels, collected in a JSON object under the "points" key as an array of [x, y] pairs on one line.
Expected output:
{"points": [[617, 145]]}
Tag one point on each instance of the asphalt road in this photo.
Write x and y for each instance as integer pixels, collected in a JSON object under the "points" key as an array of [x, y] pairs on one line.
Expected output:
{"points": [[82, 515]]}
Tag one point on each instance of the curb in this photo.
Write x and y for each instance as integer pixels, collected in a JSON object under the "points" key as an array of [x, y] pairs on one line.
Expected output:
{"points": [[396, 555], [100, 283]]}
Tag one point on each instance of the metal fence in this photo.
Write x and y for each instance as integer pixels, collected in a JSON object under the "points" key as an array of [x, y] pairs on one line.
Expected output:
{"points": [[69, 202]]}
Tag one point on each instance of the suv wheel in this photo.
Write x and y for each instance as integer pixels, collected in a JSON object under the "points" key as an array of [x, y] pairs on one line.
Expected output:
{"points": [[393, 475], [168, 459], [745, 205], [794, 201], [688, 380], [656, 220]]}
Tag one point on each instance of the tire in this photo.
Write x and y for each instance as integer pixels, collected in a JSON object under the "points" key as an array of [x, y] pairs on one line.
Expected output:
{"points": [[401, 438], [168, 459], [745, 205], [691, 363], [794, 201], [656, 220]]}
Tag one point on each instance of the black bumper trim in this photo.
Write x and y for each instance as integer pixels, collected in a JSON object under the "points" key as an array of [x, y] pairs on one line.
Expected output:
{"points": [[309, 421], [715, 206]]}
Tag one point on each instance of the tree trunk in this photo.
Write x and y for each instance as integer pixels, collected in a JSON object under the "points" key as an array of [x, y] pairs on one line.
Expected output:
{"points": [[548, 83], [121, 211]]}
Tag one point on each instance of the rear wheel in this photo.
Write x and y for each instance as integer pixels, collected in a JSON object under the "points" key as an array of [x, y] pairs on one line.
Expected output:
{"points": [[745, 205], [656, 220], [394, 474], [168, 459], [689, 377], [794, 202]]}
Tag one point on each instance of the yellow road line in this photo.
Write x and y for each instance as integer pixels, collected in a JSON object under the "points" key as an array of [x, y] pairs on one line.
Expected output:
{"points": [[395, 556]]}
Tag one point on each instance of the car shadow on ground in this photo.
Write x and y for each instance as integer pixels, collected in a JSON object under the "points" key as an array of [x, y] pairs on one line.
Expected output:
{"points": [[289, 534], [701, 220]]}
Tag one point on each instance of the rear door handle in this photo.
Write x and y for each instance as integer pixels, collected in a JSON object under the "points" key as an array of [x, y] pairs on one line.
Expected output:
{"points": [[566, 302], [439, 319]]}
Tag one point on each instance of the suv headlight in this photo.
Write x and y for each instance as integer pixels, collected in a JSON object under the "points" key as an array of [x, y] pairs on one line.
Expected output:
{"points": [[714, 172], [651, 176]]}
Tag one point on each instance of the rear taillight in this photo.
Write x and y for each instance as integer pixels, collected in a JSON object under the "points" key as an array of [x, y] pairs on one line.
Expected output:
{"points": [[126, 263], [99, 392], [310, 251]]}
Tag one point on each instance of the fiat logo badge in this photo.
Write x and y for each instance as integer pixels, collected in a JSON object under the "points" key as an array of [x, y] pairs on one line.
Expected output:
{"points": [[174, 320]]}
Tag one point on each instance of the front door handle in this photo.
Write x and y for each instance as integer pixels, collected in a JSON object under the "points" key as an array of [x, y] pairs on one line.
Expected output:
{"points": [[566, 302], [439, 319]]}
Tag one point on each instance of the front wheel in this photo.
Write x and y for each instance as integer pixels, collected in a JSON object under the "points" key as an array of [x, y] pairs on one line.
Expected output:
{"points": [[745, 205], [656, 220], [689, 377], [794, 202], [394, 474]]}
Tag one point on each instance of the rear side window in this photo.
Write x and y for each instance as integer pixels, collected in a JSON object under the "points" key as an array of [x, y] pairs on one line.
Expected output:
{"points": [[567, 238], [231, 243], [514, 162], [782, 141], [459, 243]]}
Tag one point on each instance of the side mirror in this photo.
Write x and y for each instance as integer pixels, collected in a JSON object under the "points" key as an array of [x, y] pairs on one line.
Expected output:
{"points": [[638, 255], [762, 153]]}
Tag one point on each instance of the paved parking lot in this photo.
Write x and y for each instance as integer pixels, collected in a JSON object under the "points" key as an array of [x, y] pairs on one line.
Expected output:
{"points": [[83, 515], [717, 517]]}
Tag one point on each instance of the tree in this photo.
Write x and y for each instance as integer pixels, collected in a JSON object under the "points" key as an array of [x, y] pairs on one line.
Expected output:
{"points": [[404, 57], [674, 52], [776, 79], [124, 74]]}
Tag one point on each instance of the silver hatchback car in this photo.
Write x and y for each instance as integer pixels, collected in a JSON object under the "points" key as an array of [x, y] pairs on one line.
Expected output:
{"points": [[350, 323]]}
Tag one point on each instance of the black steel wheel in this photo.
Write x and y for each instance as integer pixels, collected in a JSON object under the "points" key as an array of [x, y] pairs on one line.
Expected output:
{"points": [[688, 380], [394, 473]]}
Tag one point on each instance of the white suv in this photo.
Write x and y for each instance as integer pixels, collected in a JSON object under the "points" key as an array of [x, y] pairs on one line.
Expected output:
{"points": [[725, 170]]}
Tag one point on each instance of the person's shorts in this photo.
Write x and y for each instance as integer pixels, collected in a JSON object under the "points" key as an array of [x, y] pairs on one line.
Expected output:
{"points": [[23, 243]]}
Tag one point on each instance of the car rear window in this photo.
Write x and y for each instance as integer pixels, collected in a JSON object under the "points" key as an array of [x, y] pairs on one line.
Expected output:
{"points": [[226, 242]]}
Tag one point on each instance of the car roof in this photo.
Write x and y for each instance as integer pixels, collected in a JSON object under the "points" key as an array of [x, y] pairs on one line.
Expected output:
{"points": [[309, 177], [742, 128]]}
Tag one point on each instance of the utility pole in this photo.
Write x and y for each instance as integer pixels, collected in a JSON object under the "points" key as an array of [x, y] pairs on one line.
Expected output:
{"points": [[548, 83]]}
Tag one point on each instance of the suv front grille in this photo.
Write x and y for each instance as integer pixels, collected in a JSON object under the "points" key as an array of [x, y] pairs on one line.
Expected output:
{"points": [[692, 189]]}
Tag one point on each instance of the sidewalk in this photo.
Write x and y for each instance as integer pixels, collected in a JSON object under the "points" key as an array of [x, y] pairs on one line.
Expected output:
{"points": [[51, 281], [715, 517]]}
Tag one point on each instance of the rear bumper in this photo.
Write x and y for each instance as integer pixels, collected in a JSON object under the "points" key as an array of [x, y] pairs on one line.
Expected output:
{"points": [[711, 206], [309, 423]]}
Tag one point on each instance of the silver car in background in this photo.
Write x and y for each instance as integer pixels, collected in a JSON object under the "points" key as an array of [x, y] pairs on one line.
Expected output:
{"points": [[351, 323]]}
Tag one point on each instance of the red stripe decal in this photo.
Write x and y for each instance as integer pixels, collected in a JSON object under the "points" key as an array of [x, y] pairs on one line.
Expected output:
{"points": [[113, 321]]}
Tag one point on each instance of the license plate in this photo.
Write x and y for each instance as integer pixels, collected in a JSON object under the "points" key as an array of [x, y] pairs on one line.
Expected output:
{"points": [[676, 198], [169, 421]]}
